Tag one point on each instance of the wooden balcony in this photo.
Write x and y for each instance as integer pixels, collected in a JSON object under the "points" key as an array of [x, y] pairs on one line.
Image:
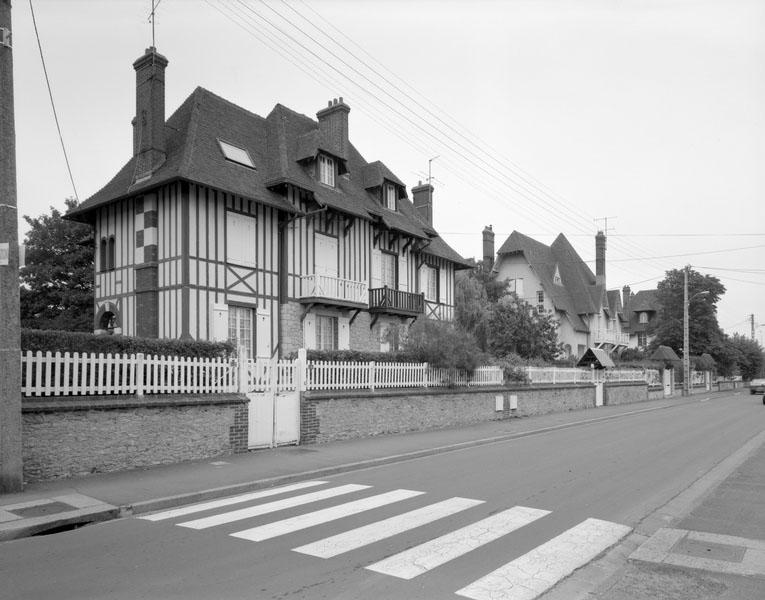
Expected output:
{"points": [[395, 302], [608, 336], [323, 289]]}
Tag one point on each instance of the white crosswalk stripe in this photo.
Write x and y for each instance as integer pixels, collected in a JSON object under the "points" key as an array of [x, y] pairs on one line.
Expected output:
{"points": [[540, 569], [422, 558], [277, 528], [187, 510], [380, 530], [269, 507]]}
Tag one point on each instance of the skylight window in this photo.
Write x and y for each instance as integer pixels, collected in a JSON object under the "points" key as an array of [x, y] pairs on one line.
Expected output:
{"points": [[236, 154]]}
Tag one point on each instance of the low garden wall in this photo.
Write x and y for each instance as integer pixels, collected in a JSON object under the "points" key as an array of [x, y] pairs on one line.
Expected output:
{"points": [[71, 436], [330, 416]]}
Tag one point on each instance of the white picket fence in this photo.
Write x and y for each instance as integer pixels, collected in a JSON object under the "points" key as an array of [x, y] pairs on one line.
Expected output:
{"points": [[328, 375], [75, 374], [556, 375]]}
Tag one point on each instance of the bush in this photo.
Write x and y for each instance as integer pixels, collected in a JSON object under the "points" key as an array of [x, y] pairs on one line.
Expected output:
{"points": [[68, 341], [441, 345]]}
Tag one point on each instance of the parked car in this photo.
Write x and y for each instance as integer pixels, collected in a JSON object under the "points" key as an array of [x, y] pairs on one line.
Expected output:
{"points": [[757, 386]]}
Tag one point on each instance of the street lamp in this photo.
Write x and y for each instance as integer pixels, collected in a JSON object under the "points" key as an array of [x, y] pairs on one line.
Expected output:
{"points": [[686, 343]]}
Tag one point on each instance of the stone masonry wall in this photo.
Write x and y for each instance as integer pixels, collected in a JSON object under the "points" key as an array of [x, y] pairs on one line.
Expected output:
{"points": [[624, 393], [76, 436], [540, 400]]}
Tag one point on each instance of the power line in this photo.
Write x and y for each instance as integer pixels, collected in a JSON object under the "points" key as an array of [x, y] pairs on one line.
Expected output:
{"points": [[52, 103]]}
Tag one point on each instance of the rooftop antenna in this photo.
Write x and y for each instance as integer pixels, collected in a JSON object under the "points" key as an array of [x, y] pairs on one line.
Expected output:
{"points": [[606, 228], [154, 5]]}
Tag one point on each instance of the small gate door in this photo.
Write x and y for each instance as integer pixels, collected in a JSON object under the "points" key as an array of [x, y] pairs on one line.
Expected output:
{"points": [[274, 409], [666, 375]]}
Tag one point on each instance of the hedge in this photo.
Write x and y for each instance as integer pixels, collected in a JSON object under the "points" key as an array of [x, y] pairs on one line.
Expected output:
{"points": [[47, 340], [357, 356]]}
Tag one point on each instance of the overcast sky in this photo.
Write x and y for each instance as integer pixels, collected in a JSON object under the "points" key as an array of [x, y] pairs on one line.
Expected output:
{"points": [[544, 114]]}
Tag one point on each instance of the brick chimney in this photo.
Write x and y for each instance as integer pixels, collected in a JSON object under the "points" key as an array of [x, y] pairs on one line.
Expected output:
{"points": [[333, 124], [626, 293], [149, 143], [422, 197], [488, 248], [600, 258]]}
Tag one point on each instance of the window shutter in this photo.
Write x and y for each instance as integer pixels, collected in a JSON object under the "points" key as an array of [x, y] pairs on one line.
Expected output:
{"points": [[219, 322], [443, 296], [343, 333], [423, 279], [376, 268], [309, 332], [263, 335], [403, 274]]}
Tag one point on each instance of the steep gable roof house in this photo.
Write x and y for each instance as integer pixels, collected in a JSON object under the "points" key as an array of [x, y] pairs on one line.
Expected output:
{"points": [[641, 309], [555, 280], [273, 232]]}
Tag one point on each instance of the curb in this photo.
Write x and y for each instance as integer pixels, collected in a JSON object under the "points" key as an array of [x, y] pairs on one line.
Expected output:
{"points": [[70, 519]]}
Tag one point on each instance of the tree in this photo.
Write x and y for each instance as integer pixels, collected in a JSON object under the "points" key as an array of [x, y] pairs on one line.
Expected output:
{"points": [[749, 357], [57, 279], [442, 345], [516, 328], [704, 331]]}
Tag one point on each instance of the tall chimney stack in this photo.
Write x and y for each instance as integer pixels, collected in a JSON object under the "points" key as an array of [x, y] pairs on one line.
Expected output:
{"points": [[333, 124], [149, 142], [600, 258], [626, 293], [488, 248], [422, 197]]}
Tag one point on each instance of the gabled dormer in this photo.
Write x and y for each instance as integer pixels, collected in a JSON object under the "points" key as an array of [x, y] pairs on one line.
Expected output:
{"points": [[556, 276], [383, 185]]}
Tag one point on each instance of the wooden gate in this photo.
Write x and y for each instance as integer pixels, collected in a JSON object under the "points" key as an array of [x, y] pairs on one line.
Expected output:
{"points": [[274, 411]]}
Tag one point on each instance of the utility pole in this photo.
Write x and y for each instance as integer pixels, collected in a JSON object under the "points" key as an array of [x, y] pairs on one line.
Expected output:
{"points": [[751, 317], [10, 344], [686, 341]]}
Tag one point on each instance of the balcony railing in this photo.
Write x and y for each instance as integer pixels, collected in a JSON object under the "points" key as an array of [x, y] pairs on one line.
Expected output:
{"points": [[606, 336], [392, 301], [325, 287]]}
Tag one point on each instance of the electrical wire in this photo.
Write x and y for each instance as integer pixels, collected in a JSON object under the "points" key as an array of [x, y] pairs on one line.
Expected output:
{"points": [[52, 103]]}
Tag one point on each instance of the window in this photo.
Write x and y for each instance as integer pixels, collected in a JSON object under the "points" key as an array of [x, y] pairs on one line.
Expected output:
{"points": [[326, 332], [110, 253], [516, 286], [643, 318], [241, 238], [102, 260], [556, 278], [327, 170], [240, 328], [642, 339], [430, 285], [540, 302], [236, 154], [388, 264], [390, 196]]}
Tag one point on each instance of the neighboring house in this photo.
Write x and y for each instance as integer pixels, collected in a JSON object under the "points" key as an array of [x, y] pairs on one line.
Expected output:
{"points": [[272, 232], [556, 281], [641, 310]]}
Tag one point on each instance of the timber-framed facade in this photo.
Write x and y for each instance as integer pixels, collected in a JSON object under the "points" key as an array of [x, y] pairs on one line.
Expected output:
{"points": [[274, 233]]}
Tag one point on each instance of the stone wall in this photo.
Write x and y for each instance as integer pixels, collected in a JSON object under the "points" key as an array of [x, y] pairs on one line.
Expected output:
{"points": [[72, 436], [624, 393], [540, 400]]}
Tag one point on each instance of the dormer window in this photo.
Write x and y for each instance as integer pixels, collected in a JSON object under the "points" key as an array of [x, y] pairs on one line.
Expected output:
{"points": [[327, 170], [236, 154], [556, 278], [643, 318], [390, 196]]}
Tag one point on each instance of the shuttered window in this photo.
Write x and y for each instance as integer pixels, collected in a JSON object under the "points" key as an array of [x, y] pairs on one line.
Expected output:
{"points": [[240, 328], [388, 265], [326, 332], [241, 239], [327, 170], [390, 196]]}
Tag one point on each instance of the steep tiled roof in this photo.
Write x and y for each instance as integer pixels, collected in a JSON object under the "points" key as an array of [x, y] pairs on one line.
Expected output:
{"points": [[278, 144], [578, 294], [642, 301]]}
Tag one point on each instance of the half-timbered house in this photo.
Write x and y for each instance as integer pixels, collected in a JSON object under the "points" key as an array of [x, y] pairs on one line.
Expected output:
{"points": [[273, 232]]}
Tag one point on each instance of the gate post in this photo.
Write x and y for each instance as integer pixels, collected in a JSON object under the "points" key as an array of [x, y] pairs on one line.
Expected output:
{"points": [[241, 363], [302, 369]]}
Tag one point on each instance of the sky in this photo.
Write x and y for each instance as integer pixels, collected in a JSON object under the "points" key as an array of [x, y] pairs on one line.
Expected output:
{"points": [[541, 116]]}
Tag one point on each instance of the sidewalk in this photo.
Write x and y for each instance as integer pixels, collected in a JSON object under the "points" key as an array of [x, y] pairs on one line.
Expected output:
{"points": [[43, 507]]}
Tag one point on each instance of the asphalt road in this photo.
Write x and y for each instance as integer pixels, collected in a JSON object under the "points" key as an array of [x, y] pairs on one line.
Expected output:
{"points": [[616, 471]]}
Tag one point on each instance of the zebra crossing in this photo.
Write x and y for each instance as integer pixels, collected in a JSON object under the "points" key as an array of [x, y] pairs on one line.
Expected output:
{"points": [[524, 578]]}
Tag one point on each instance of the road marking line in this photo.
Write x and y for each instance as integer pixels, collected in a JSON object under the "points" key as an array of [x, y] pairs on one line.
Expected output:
{"points": [[186, 510], [532, 574], [277, 528], [431, 554], [374, 532], [269, 507]]}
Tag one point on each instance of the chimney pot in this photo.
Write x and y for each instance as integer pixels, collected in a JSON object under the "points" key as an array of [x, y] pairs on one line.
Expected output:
{"points": [[149, 142], [333, 124], [600, 258], [422, 198]]}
